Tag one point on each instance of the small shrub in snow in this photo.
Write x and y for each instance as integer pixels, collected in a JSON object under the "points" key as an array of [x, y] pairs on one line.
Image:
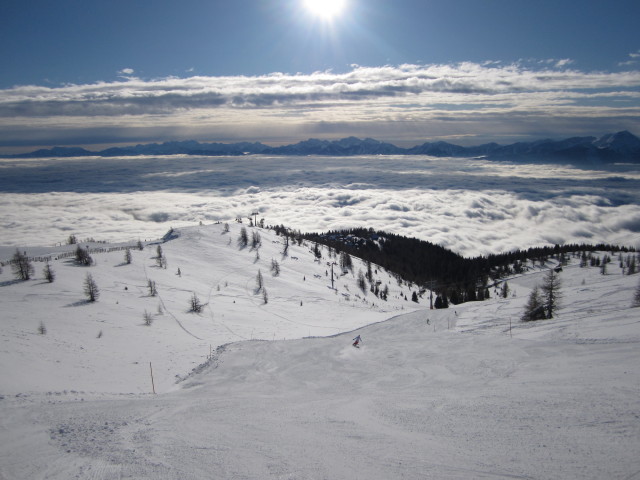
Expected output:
{"points": [[127, 256], [147, 318], [42, 330]]}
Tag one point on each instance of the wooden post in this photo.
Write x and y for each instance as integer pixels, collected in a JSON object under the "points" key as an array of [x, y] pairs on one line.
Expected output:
{"points": [[153, 386]]}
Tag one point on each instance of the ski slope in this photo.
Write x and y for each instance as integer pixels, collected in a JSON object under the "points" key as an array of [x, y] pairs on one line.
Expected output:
{"points": [[447, 394]]}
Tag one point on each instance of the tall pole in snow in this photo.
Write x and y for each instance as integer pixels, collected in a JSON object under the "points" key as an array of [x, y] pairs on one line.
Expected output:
{"points": [[153, 386]]}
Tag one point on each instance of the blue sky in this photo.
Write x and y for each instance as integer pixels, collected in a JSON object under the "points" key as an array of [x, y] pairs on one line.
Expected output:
{"points": [[94, 73]]}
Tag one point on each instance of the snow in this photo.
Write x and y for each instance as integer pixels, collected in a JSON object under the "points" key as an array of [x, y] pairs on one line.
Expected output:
{"points": [[467, 392]]}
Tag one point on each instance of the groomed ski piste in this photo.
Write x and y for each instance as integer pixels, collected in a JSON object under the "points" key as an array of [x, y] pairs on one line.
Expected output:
{"points": [[253, 390]]}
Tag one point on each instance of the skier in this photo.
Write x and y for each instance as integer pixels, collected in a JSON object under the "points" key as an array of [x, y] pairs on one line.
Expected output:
{"points": [[356, 341]]}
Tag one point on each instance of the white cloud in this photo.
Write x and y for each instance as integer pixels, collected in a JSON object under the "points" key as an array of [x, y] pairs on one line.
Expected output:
{"points": [[126, 71], [395, 102], [472, 207], [563, 62]]}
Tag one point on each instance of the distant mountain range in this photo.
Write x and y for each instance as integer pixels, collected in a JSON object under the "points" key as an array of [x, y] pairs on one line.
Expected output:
{"points": [[621, 146]]}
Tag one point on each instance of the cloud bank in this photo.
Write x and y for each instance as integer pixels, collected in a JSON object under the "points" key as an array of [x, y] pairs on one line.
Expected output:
{"points": [[472, 207], [414, 101]]}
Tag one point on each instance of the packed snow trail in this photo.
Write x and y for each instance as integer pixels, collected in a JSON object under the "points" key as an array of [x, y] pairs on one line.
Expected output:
{"points": [[410, 404]]}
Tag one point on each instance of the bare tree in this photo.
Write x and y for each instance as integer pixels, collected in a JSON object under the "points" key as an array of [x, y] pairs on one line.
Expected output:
{"points": [[91, 288], [21, 265]]}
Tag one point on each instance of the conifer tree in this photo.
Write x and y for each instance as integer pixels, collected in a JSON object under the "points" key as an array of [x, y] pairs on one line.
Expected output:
{"points": [[48, 273], [551, 292], [534, 309], [636, 298]]}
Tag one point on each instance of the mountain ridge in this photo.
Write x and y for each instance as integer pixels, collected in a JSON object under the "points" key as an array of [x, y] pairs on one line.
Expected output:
{"points": [[612, 147]]}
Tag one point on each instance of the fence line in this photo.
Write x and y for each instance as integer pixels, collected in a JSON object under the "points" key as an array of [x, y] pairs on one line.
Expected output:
{"points": [[69, 254]]}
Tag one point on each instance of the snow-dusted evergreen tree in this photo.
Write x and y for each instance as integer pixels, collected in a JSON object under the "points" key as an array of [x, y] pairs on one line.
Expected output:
{"points": [[22, 266], [636, 298], [534, 309], [551, 292], [275, 267], [256, 240], [259, 281], [362, 282], [151, 285], [243, 238], [127, 256], [195, 305], [345, 261], [83, 257], [504, 291], [91, 288], [49, 274]]}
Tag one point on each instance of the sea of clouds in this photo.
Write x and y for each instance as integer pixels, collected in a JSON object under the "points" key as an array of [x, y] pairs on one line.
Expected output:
{"points": [[468, 205]]}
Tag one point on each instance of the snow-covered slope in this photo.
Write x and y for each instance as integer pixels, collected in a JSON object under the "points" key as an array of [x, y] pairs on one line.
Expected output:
{"points": [[449, 394], [105, 346]]}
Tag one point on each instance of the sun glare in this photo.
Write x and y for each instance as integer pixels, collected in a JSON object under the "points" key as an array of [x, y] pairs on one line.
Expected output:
{"points": [[326, 9]]}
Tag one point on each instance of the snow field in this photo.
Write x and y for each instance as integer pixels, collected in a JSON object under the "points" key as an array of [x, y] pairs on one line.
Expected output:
{"points": [[448, 394]]}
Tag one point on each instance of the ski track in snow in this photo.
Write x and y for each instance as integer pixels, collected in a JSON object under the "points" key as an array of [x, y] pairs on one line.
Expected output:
{"points": [[443, 394]]}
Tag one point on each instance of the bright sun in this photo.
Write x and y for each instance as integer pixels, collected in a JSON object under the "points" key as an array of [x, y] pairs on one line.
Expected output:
{"points": [[326, 9]]}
